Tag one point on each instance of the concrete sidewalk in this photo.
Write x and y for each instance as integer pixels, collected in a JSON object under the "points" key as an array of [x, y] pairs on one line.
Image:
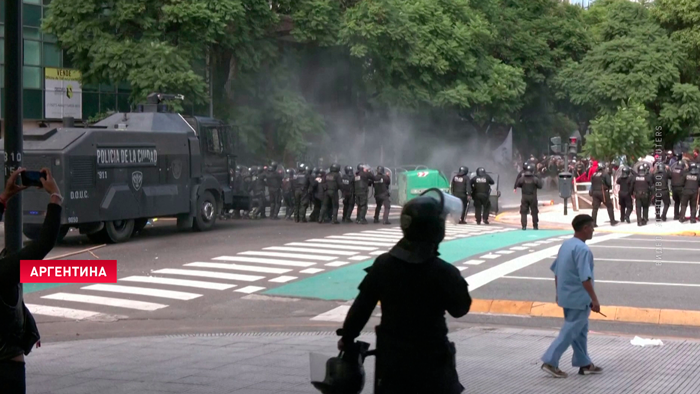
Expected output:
{"points": [[552, 217], [490, 360]]}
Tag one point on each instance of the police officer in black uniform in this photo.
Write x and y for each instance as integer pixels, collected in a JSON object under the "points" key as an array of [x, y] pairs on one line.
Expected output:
{"points": [[415, 288], [274, 189], [529, 183], [678, 171], [382, 195], [330, 199], [601, 183], [363, 180], [690, 193], [661, 191], [258, 180], [302, 184], [347, 187], [642, 188], [625, 194], [317, 193], [481, 190], [461, 189], [288, 194]]}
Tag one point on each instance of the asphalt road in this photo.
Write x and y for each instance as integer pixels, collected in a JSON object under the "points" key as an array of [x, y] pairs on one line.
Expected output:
{"points": [[280, 276]]}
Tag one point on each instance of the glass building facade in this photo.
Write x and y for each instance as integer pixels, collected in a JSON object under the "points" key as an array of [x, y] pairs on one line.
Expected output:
{"points": [[41, 51]]}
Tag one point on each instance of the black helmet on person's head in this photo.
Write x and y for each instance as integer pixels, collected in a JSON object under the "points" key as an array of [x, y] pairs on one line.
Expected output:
{"points": [[273, 166], [301, 168], [693, 168], [644, 169], [314, 171], [463, 170], [481, 171], [360, 167], [322, 172], [626, 172], [679, 156], [422, 221], [291, 172], [660, 167], [380, 170], [259, 169], [335, 167], [601, 166], [348, 170], [529, 170]]}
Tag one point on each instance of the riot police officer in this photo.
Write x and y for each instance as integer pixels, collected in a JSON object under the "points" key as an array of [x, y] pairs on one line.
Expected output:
{"points": [[661, 192], [529, 183], [288, 194], [258, 180], [625, 194], [382, 195], [461, 189], [641, 189], [601, 183], [363, 180], [347, 188], [302, 184], [333, 180], [274, 189], [415, 288], [481, 191], [317, 193], [690, 193], [677, 175]]}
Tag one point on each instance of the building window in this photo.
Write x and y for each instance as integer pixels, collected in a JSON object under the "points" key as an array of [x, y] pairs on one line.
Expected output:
{"points": [[32, 15], [38, 2], [52, 55], [32, 53], [33, 103], [32, 77], [31, 33]]}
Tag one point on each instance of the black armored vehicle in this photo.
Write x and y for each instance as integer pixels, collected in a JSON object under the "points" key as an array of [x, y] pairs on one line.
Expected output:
{"points": [[131, 167]]}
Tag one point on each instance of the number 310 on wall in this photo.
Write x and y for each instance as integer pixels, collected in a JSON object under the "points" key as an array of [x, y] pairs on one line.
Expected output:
{"points": [[14, 156]]}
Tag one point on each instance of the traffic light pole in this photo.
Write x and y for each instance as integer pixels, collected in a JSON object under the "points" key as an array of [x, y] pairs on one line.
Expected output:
{"points": [[13, 118]]}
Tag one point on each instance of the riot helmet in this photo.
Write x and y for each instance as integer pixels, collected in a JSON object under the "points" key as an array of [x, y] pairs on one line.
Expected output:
{"points": [[660, 167], [480, 172], [322, 172], [291, 172], [601, 166], [463, 170], [644, 169], [301, 167], [679, 156], [360, 167], [344, 374], [273, 166], [380, 170], [348, 170], [529, 170], [314, 172], [625, 172], [423, 218], [693, 168], [335, 167]]}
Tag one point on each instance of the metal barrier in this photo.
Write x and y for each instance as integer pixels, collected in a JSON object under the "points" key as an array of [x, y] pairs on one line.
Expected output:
{"points": [[582, 200]]}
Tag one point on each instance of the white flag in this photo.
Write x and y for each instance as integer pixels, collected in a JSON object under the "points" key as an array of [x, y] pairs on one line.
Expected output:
{"points": [[503, 155]]}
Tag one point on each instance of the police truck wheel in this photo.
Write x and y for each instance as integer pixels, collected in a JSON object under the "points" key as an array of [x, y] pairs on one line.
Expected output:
{"points": [[206, 212], [119, 230], [139, 224]]}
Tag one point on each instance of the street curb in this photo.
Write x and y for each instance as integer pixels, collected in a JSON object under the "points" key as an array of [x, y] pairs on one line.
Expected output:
{"points": [[560, 226], [625, 314]]}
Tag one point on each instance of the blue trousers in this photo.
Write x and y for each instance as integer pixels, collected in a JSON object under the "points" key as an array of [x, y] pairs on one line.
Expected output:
{"points": [[574, 333]]}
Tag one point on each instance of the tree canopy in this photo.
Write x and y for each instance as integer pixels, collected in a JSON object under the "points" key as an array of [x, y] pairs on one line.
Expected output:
{"points": [[292, 75]]}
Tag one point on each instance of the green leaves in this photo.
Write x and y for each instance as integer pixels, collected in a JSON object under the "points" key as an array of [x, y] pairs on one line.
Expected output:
{"points": [[624, 131]]}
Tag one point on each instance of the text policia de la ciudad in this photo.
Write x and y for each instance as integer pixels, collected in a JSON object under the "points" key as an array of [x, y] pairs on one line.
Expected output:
{"points": [[68, 271], [125, 156]]}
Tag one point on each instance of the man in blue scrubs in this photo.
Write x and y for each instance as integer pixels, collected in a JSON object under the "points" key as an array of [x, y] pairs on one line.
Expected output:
{"points": [[573, 278]]}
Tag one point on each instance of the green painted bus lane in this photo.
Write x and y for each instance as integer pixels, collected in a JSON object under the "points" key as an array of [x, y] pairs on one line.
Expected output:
{"points": [[341, 284]]}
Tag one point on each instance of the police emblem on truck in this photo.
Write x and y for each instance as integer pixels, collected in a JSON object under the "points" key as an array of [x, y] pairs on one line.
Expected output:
{"points": [[137, 179]]}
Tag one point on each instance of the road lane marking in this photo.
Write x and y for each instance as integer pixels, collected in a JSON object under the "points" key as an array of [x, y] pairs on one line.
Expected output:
{"points": [[382, 242], [348, 242], [289, 255], [327, 246], [265, 261], [532, 244], [484, 277], [283, 279], [309, 250], [312, 271], [644, 247], [619, 282], [209, 274], [519, 248], [337, 264], [473, 262], [116, 302], [359, 258], [237, 267], [73, 314], [462, 268], [665, 239], [490, 256], [374, 234], [645, 261], [178, 282], [249, 289], [377, 253], [505, 252], [335, 315], [175, 295]]}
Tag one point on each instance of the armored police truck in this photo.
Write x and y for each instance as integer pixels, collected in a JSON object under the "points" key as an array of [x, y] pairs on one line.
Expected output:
{"points": [[131, 167]]}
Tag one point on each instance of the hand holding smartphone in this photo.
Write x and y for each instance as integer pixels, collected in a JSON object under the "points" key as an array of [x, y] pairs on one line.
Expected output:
{"points": [[32, 178]]}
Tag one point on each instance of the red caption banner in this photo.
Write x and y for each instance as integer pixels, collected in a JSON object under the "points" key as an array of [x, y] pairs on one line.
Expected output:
{"points": [[68, 271]]}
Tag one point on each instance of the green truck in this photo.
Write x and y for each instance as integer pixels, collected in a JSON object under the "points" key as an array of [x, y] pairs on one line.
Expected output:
{"points": [[411, 181]]}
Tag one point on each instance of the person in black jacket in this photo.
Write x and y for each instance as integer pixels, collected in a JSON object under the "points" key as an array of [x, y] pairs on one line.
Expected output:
{"points": [[18, 331], [415, 288]]}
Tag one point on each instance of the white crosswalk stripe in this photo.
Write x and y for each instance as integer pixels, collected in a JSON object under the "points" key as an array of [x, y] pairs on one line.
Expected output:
{"points": [[505, 252], [490, 256], [209, 274], [359, 258], [337, 264], [265, 261], [348, 242], [178, 282], [289, 255], [519, 248], [175, 295], [72, 314], [312, 271], [116, 302], [283, 279], [250, 289], [474, 262], [332, 246], [238, 267], [310, 250]]}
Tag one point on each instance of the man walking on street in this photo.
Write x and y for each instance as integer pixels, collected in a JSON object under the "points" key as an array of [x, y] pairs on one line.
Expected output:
{"points": [[573, 279]]}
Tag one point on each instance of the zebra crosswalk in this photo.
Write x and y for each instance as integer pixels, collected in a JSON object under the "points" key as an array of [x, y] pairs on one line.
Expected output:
{"points": [[244, 272]]}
